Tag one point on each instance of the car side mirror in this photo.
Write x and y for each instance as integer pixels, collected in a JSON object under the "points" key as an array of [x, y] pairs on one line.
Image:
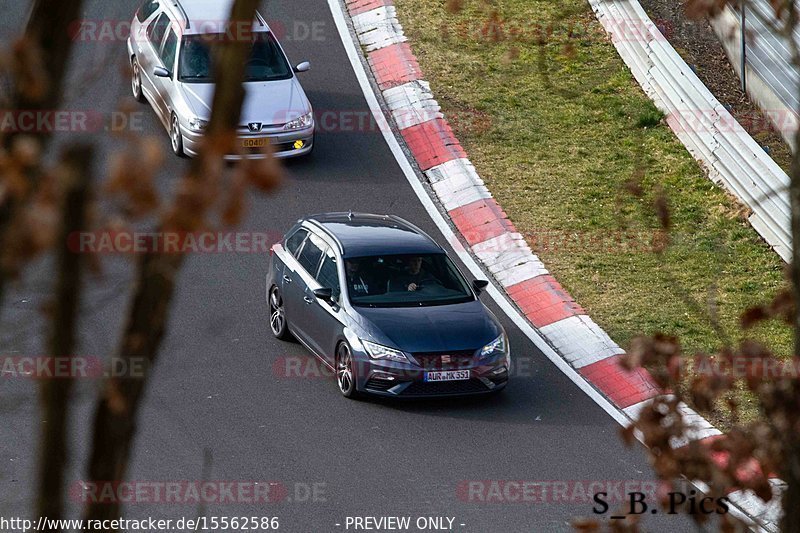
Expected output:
{"points": [[325, 294], [305, 66], [479, 285], [161, 72]]}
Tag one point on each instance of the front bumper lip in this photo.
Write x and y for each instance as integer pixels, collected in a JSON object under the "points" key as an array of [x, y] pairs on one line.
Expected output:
{"points": [[492, 373], [191, 143]]}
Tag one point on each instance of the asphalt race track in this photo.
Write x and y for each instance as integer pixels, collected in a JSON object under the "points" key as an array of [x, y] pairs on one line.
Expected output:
{"points": [[216, 387]]}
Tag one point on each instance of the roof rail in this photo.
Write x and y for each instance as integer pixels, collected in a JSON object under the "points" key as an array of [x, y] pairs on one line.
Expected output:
{"points": [[261, 19], [183, 12], [331, 236]]}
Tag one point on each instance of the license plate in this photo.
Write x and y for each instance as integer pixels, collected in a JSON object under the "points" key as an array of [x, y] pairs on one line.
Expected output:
{"points": [[448, 375], [254, 143]]}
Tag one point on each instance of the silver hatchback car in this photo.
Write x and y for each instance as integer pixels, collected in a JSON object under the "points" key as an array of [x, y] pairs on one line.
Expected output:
{"points": [[171, 67]]}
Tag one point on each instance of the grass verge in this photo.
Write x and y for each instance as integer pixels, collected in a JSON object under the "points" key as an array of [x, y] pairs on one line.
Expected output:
{"points": [[559, 130]]}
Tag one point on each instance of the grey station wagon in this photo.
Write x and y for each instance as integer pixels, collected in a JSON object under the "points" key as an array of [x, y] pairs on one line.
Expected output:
{"points": [[381, 304], [171, 67]]}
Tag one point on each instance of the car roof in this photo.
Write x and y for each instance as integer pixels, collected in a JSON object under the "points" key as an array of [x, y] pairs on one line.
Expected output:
{"points": [[364, 234], [206, 16]]}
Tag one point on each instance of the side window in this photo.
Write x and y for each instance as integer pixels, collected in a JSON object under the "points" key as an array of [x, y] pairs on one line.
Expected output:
{"points": [[293, 243], [328, 275], [147, 9], [168, 52], [157, 29], [311, 254]]}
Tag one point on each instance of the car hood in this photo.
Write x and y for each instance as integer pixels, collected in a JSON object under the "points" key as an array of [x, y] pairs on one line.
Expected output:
{"points": [[439, 328], [267, 102]]}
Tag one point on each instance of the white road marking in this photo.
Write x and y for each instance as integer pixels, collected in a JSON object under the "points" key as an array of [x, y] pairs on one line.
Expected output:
{"points": [[498, 296]]}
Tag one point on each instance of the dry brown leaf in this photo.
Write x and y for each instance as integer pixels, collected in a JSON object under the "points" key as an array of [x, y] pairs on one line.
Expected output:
{"points": [[454, 6]]}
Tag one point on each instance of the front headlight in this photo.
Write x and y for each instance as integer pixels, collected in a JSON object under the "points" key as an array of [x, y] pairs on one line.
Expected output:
{"points": [[496, 346], [198, 125], [378, 351], [299, 123]]}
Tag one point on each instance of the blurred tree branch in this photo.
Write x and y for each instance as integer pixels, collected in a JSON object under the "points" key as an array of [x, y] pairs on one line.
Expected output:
{"points": [[37, 69], [115, 416], [75, 174], [39, 64], [791, 469]]}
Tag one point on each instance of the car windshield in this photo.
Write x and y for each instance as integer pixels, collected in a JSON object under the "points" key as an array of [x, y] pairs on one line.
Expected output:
{"points": [[405, 281], [266, 61]]}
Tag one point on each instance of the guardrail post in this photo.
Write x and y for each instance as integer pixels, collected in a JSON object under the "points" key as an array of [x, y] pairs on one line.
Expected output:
{"points": [[744, 46]]}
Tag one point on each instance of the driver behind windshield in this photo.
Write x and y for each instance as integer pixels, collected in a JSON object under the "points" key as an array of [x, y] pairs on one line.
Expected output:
{"points": [[413, 277], [265, 63], [357, 279]]}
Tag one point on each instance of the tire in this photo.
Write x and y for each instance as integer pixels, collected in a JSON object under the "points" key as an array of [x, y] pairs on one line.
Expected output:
{"points": [[345, 372], [136, 80], [277, 316], [175, 137]]}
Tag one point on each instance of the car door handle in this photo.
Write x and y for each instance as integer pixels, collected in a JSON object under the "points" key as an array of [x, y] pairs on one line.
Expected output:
{"points": [[308, 300], [287, 279]]}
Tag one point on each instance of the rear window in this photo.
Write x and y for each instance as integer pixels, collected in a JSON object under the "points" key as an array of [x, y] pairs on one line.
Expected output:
{"points": [[312, 252], [157, 29], [169, 50], [147, 9], [293, 243]]}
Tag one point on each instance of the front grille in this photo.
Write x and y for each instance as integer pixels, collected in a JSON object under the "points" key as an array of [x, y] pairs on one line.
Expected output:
{"points": [[381, 385], [454, 360], [420, 388], [265, 128]]}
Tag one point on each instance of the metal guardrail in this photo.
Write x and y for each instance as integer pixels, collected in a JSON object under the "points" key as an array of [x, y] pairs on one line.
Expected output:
{"points": [[729, 154], [766, 70], [769, 54], [714, 138]]}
